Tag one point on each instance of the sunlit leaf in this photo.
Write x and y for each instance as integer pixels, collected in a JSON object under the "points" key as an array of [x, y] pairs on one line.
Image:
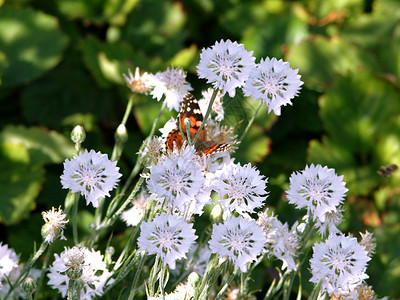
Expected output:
{"points": [[31, 43]]}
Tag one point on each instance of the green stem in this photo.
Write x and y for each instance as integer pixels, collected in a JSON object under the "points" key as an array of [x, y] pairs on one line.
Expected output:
{"points": [[215, 92], [128, 110], [75, 220], [134, 291], [226, 285], [28, 267], [260, 103], [44, 269]]}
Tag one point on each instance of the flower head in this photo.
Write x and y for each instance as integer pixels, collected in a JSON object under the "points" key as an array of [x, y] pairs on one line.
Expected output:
{"points": [[168, 236], [318, 189], [241, 188], [340, 262], [239, 239], [87, 265], [138, 83], [226, 65], [8, 261], [274, 83], [55, 224], [92, 174], [171, 83], [134, 215], [285, 246], [177, 178]]}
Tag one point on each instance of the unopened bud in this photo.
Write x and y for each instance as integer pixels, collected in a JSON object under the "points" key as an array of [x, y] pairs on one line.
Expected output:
{"points": [[29, 285], [121, 134], [193, 278], [216, 214], [78, 134]]}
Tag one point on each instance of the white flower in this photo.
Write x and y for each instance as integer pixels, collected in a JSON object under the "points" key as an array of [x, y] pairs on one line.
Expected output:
{"points": [[171, 83], [270, 225], [8, 260], [286, 245], [134, 215], [55, 224], [241, 188], [318, 189], [177, 178], [92, 174], [217, 107], [87, 263], [274, 83], [18, 291], [226, 65], [332, 220], [138, 84], [153, 148], [168, 236], [340, 262], [239, 239], [368, 241]]}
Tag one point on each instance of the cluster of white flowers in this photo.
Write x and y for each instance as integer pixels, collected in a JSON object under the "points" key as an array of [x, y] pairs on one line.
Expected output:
{"points": [[81, 264], [181, 182], [10, 270]]}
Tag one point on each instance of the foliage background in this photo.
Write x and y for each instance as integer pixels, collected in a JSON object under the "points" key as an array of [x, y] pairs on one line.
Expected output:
{"points": [[61, 64]]}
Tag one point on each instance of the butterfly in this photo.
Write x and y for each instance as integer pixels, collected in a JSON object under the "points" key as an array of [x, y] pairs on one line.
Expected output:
{"points": [[387, 171], [190, 109]]}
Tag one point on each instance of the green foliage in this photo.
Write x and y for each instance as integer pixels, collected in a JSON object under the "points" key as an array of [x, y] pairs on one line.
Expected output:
{"points": [[61, 64]]}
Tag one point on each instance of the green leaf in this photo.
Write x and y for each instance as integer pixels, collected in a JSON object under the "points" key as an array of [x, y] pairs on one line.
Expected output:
{"points": [[20, 182], [106, 61], [320, 60], [31, 43], [375, 32], [66, 96], [254, 147], [356, 111], [43, 146]]}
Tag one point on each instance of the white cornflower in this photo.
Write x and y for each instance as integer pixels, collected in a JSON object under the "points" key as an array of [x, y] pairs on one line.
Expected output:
{"points": [[134, 215], [340, 261], [55, 224], [332, 220], [18, 291], [138, 83], [286, 245], [239, 239], [216, 108], [241, 188], [87, 265], [226, 66], [270, 225], [274, 83], [168, 236], [8, 261], [92, 174], [368, 241], [318, 189], [171, 83], [153, 149], [176, 178]]}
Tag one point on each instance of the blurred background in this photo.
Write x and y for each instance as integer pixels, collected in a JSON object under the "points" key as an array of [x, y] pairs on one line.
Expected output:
{"points": [[61, 64]]}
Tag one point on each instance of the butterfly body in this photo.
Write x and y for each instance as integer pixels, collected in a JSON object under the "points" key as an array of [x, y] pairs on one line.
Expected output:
{"points": [[191, 110]]}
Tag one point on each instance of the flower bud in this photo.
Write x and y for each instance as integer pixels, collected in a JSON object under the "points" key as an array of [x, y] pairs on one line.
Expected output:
{"points": [[193, 278], [29, 285], [121, 134], [216, 214], [78, 134]]}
